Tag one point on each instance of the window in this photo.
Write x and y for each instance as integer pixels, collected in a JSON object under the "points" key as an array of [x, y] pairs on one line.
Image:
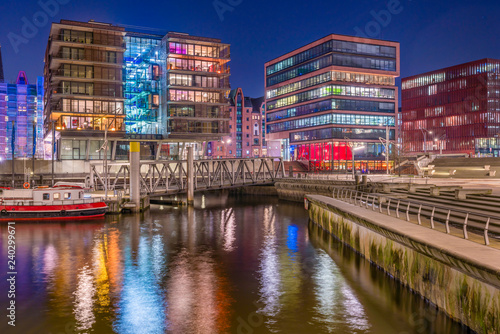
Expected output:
{"points": [[67, 195], [46, 196], [57, 195]]}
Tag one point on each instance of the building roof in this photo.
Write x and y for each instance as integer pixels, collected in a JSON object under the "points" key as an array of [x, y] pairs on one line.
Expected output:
{"points": [[257, 103], [484, 60]]}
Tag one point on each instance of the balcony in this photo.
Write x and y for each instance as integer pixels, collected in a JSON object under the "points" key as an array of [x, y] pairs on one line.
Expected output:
{"points": [[82, 58], [72, 124], [88, 41], [218, 70], [59, 91]]}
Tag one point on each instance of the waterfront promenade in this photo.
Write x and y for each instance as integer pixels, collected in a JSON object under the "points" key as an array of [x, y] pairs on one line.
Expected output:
{"points": [[461, 277]]}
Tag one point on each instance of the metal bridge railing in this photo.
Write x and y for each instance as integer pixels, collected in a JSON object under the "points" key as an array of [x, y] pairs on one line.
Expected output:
{"points": [[467, 220]]}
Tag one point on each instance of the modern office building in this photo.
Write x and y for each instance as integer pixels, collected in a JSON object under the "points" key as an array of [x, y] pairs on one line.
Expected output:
{"points": [[246, 138], [21, 109], [165, 90], [453, 110], [333, 97]]}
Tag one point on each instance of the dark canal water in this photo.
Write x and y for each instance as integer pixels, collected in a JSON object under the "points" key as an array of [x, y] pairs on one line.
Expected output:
{"points": [[237, 265]]}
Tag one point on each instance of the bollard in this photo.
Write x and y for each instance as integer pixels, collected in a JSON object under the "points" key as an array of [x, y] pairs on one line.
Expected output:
{"points": [[356, 179], [290, 171], [364, 180]]}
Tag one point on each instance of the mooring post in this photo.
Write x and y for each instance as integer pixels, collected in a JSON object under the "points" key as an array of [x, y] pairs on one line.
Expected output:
{"points": [[135, 169], [190, 176]]}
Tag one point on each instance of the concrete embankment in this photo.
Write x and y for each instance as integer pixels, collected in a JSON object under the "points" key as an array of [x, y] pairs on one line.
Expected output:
{"points": [[296, 189], [459, 276]]}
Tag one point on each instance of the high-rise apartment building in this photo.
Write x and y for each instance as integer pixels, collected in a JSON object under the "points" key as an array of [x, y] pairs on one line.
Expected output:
{"points": [[333, 97], [21, 108], [167, 91], [84, 87], [453, 110], [197, 79], [246, 138]]}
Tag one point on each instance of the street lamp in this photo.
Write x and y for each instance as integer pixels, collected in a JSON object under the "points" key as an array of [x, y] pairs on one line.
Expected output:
{"points": [[386, 145], [104, 147], [228, 141], [440, 139], [425, 131]]}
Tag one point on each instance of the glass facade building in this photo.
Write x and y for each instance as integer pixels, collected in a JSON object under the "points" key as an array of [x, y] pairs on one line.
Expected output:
{"points": [[142, 84], [332, 97], [458, 109], [21, 106], [166, 91]]}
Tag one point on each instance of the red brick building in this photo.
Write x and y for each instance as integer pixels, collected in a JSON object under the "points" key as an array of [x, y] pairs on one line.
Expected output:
{"points": [[247, 136], [453, 110]]}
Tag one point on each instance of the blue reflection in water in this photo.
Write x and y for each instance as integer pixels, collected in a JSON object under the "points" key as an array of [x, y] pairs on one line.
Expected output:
{"points": [[141, 302], [291, 241]]}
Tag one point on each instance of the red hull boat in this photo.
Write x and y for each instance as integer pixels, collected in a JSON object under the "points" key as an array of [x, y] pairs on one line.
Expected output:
{"points": [[63, 201]]}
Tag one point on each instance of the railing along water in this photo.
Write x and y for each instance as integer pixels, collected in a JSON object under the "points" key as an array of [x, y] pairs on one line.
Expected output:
{"points": [[468, 220]]}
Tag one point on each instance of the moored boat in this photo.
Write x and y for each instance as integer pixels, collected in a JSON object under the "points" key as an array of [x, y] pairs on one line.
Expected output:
{"points": [[67, 201]]}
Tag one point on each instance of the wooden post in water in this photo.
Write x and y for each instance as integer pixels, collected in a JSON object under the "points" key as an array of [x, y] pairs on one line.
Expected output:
{"points": [[190, 176], [135, 169]]}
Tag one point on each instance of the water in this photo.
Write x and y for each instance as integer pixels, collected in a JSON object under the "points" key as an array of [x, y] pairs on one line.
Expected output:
{"points": [[239, 265]]}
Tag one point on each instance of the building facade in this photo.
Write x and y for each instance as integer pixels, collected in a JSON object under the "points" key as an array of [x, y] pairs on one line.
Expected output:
{"points": [[333, 97], [166, 91], [21, 109], [453, 110], [246, 125]]}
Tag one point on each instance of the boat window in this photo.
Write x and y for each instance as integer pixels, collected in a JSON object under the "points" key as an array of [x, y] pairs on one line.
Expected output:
{"points": [[67, 195], [46, 196], [57, 195]]}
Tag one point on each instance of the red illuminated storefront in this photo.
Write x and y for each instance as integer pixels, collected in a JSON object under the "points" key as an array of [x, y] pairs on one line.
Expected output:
{"points": [[453, 110], [321, 157]]}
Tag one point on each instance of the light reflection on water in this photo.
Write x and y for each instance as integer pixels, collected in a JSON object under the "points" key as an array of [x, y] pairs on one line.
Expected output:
{"points": [[246, 266]]}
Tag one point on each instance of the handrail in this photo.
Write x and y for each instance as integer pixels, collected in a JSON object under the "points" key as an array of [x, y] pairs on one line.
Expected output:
{"points": [[351, 196]]}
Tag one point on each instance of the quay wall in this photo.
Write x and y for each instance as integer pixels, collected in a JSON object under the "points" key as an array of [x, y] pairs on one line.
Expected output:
{"points": [[458, 276], [296, 189]]}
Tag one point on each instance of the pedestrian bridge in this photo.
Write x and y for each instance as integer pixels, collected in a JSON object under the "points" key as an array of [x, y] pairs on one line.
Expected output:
{"points": [[171, 177]]}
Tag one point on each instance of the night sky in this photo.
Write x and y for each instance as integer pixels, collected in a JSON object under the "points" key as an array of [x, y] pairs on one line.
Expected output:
{"points": [[433, 34]]}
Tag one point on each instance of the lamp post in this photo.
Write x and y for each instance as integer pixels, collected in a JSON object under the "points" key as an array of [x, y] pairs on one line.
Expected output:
{"points": [[228, 141], [53, 147], [440, 139], [346, 143], [104, 147], [386, 145], [34, 147], [425, 131]]}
